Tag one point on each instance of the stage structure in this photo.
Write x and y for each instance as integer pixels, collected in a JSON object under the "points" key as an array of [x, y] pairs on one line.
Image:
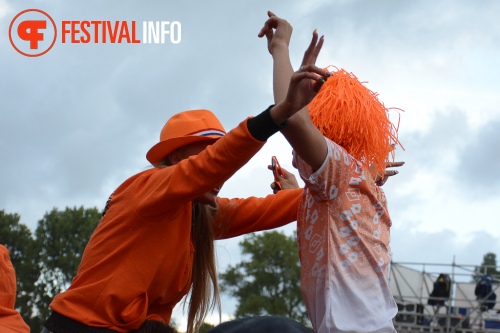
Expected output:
{"points": [[423, 309]]}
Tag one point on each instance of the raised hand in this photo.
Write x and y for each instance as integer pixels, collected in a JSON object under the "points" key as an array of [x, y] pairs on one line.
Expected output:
{"points": [[277, 31], [304, 83]]}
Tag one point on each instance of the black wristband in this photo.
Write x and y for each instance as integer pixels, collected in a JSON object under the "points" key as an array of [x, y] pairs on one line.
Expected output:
{"points": [[262, 127]]}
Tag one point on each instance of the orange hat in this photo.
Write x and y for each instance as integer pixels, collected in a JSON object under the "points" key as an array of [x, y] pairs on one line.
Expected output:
{"points": [[10, 320], [185, 128], [348, 113]]}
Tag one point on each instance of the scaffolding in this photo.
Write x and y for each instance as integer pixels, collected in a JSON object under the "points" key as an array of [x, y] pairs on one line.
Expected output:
{"points": [[412, 285]]}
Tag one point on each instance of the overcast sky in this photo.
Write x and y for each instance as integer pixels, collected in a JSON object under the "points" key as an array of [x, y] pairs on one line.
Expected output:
{"points": [[78, 121]]}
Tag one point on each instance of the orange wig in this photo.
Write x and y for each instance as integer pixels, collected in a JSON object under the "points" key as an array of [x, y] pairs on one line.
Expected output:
{"points": [[348, 113]]}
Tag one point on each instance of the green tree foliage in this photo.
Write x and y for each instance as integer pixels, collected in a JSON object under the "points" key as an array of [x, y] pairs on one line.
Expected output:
{"points": [[46, 264], [61, 238], [269, 282], [488, 266]]}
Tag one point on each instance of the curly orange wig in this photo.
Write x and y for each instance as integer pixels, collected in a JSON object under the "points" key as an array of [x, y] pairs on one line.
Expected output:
{"points": [[348, 113]]}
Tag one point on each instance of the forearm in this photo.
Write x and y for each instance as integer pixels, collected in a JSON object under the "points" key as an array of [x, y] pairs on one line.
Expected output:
{"points": [[282, 71], [306, 139], [293, 91], [301, 133]]}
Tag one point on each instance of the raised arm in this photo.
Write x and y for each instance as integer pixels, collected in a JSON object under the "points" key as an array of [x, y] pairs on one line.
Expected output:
{"points": [[278, 33], [296, 89], [303, 136]]}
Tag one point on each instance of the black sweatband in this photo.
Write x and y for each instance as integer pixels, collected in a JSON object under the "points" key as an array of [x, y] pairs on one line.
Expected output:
{"points": [[262, 127]]}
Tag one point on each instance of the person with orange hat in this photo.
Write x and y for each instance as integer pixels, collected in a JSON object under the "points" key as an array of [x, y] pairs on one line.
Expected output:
{"points": [[341, 144], [10, 320], [155, 242]]}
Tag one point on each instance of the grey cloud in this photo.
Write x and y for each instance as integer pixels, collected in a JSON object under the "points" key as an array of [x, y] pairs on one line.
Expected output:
{"points": [[441, 247], [477, 170], [451, 148]]}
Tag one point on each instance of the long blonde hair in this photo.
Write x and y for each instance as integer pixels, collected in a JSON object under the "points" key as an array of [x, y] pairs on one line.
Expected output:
{"points": [[204, 292], [204, 288]]}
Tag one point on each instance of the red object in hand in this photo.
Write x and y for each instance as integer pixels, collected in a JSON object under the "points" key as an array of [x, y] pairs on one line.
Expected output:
{"points": [[277, 171]]}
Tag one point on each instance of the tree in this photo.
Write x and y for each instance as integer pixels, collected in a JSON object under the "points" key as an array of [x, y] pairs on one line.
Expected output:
{"points": [[61, 237], [269, 282], [488, 266], [45, 265]]}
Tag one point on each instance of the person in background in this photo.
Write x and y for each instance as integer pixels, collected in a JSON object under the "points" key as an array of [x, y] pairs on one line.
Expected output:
{"points": [[155, 242], [10, 320], [341, 144]]}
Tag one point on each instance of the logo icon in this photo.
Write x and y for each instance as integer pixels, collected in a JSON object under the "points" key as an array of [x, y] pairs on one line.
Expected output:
{"points": [[32, 32]]}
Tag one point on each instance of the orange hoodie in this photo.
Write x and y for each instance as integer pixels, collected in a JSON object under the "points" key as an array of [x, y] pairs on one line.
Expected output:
{"points": [[10, 319], [137, 264]]}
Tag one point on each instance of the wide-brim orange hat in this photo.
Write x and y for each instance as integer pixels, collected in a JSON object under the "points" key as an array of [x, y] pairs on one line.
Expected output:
{"points": [[185, 128]]}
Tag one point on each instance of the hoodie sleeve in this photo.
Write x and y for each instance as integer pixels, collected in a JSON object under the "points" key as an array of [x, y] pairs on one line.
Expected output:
{"points": [[10, 319], [241, 216]]}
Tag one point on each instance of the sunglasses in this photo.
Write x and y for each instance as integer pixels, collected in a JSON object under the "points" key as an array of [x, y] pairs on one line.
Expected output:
{"points": [[277, 171]]}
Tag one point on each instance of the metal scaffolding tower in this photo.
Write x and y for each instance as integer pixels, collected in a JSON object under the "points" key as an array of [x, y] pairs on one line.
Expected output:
{"points": [[412, 285]]}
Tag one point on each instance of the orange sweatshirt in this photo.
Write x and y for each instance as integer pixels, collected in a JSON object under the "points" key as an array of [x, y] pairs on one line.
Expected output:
{"points": [[10, 319], [137, 264]]}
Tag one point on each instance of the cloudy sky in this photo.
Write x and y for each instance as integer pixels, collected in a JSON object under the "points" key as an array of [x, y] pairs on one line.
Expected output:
{"points": [[78, 120]]}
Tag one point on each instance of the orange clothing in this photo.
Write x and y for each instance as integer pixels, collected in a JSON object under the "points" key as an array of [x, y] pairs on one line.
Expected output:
{"points": [[138, 263], [344, 234], [10, 319]]}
